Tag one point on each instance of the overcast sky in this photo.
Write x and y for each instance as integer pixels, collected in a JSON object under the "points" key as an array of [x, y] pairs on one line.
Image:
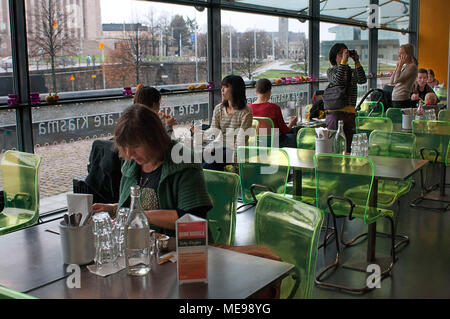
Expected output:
{"points": [[119, 11]]}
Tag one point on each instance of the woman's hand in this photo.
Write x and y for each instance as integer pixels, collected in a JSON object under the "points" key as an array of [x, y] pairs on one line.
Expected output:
{"points": [[345, 54], [170, 120], [356, 57], [98, 207], [402, 60], [292, 121]]}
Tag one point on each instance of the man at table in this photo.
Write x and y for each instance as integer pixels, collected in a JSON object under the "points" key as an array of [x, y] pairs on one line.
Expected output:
{"points": [[263, 108], [421, 88]]}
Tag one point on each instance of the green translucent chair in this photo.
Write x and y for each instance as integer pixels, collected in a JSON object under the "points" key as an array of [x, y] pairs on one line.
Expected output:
{"points": [[444, 115], [264, 132], [371, 109], [252, 141], [351, 172], [291, 230], [223, 189], [390, 144], [6, 293], [262, 169], [432, 142], [441, 93], [365, 124], [395, 114], [306, 139], [21, 190]]}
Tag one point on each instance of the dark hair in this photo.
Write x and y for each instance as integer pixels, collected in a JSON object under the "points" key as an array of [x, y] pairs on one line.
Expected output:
{"points": [[238, 97], [147, 96], [430, 71], [263, 86], [335, 49], [422, 70], [139, 125]]}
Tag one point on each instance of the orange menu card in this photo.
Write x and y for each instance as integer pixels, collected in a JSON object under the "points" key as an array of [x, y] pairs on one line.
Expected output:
{"points": [[192, 249]]}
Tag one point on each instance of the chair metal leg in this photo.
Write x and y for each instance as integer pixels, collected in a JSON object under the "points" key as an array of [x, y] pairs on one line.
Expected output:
{"points": [[327, 237], [364, 289]]}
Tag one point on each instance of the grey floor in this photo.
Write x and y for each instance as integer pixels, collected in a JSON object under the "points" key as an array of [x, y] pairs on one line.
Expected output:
{"points": [[422, 269]]}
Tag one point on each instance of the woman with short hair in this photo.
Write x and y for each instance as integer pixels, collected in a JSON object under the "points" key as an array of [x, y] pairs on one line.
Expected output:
{"points": [[168, 189]]}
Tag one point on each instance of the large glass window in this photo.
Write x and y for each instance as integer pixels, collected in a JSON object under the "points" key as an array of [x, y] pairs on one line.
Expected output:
{"points": [[263, 46], [300, 6], [353, 37], [83, 45]]}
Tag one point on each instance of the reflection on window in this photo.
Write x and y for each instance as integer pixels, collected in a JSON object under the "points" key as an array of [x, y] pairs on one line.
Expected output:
{"points": [[300, 6], [353, 37], [83, 45], [257, 46]]}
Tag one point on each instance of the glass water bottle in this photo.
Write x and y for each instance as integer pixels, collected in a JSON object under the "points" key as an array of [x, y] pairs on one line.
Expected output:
{"points": [[137, 237], [340, 141]]}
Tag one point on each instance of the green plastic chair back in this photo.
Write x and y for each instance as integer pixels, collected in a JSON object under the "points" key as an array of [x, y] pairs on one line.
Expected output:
{"points": [[6, 293], [432, 139], [252, 141], [366, 124], [352, 172], [441, 93], [264, 131], [264, 166], [291, 230], [444, 115], [223, 189], [306, 138], [371, 109], [21, 190], [392, 144], [395, 114]]}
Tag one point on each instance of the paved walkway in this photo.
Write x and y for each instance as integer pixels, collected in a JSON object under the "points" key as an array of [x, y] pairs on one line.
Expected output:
{"points": [[60, 164]]}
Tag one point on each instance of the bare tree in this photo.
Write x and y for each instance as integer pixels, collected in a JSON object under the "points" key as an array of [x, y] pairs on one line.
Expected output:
{"points": [[51, 34], [134, 48], [247, 53]]}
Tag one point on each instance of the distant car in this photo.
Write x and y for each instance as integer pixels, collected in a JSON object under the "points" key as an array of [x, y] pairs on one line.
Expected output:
{"points": [[63, 60], [6, 63]]}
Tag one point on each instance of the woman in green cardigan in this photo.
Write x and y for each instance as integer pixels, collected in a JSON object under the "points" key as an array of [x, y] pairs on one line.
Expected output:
{"points": [[169, 189]]}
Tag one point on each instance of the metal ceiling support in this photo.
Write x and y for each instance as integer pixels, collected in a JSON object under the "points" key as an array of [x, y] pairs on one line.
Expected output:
{"points": [[373, 53], [214, 55], [414, 23], [21, 74], [314, 45]]}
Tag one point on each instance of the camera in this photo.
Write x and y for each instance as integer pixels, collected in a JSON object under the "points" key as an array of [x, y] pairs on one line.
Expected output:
{"points": [[352, 53]]}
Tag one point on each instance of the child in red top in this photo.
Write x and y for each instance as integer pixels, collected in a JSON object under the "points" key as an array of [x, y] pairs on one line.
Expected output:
{"points": [[263, 108], [431, 101]]}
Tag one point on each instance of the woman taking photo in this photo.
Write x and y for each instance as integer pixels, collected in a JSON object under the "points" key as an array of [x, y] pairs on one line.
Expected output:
{"points": [[340, 105], [404, 77], [168, 190]]}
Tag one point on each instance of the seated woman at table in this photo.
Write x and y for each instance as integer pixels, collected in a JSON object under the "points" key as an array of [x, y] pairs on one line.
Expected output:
{"points": [[169, 190], [232, 116], [263, 108], [431, 80], [342, 75], [149, 96]]}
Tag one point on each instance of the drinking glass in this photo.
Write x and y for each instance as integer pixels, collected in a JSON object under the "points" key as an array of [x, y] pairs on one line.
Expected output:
{"points": [[119, 229], [105, 241]]}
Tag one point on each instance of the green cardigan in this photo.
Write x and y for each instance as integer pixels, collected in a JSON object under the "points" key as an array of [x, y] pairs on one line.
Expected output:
{"points": [[181, 185]]}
